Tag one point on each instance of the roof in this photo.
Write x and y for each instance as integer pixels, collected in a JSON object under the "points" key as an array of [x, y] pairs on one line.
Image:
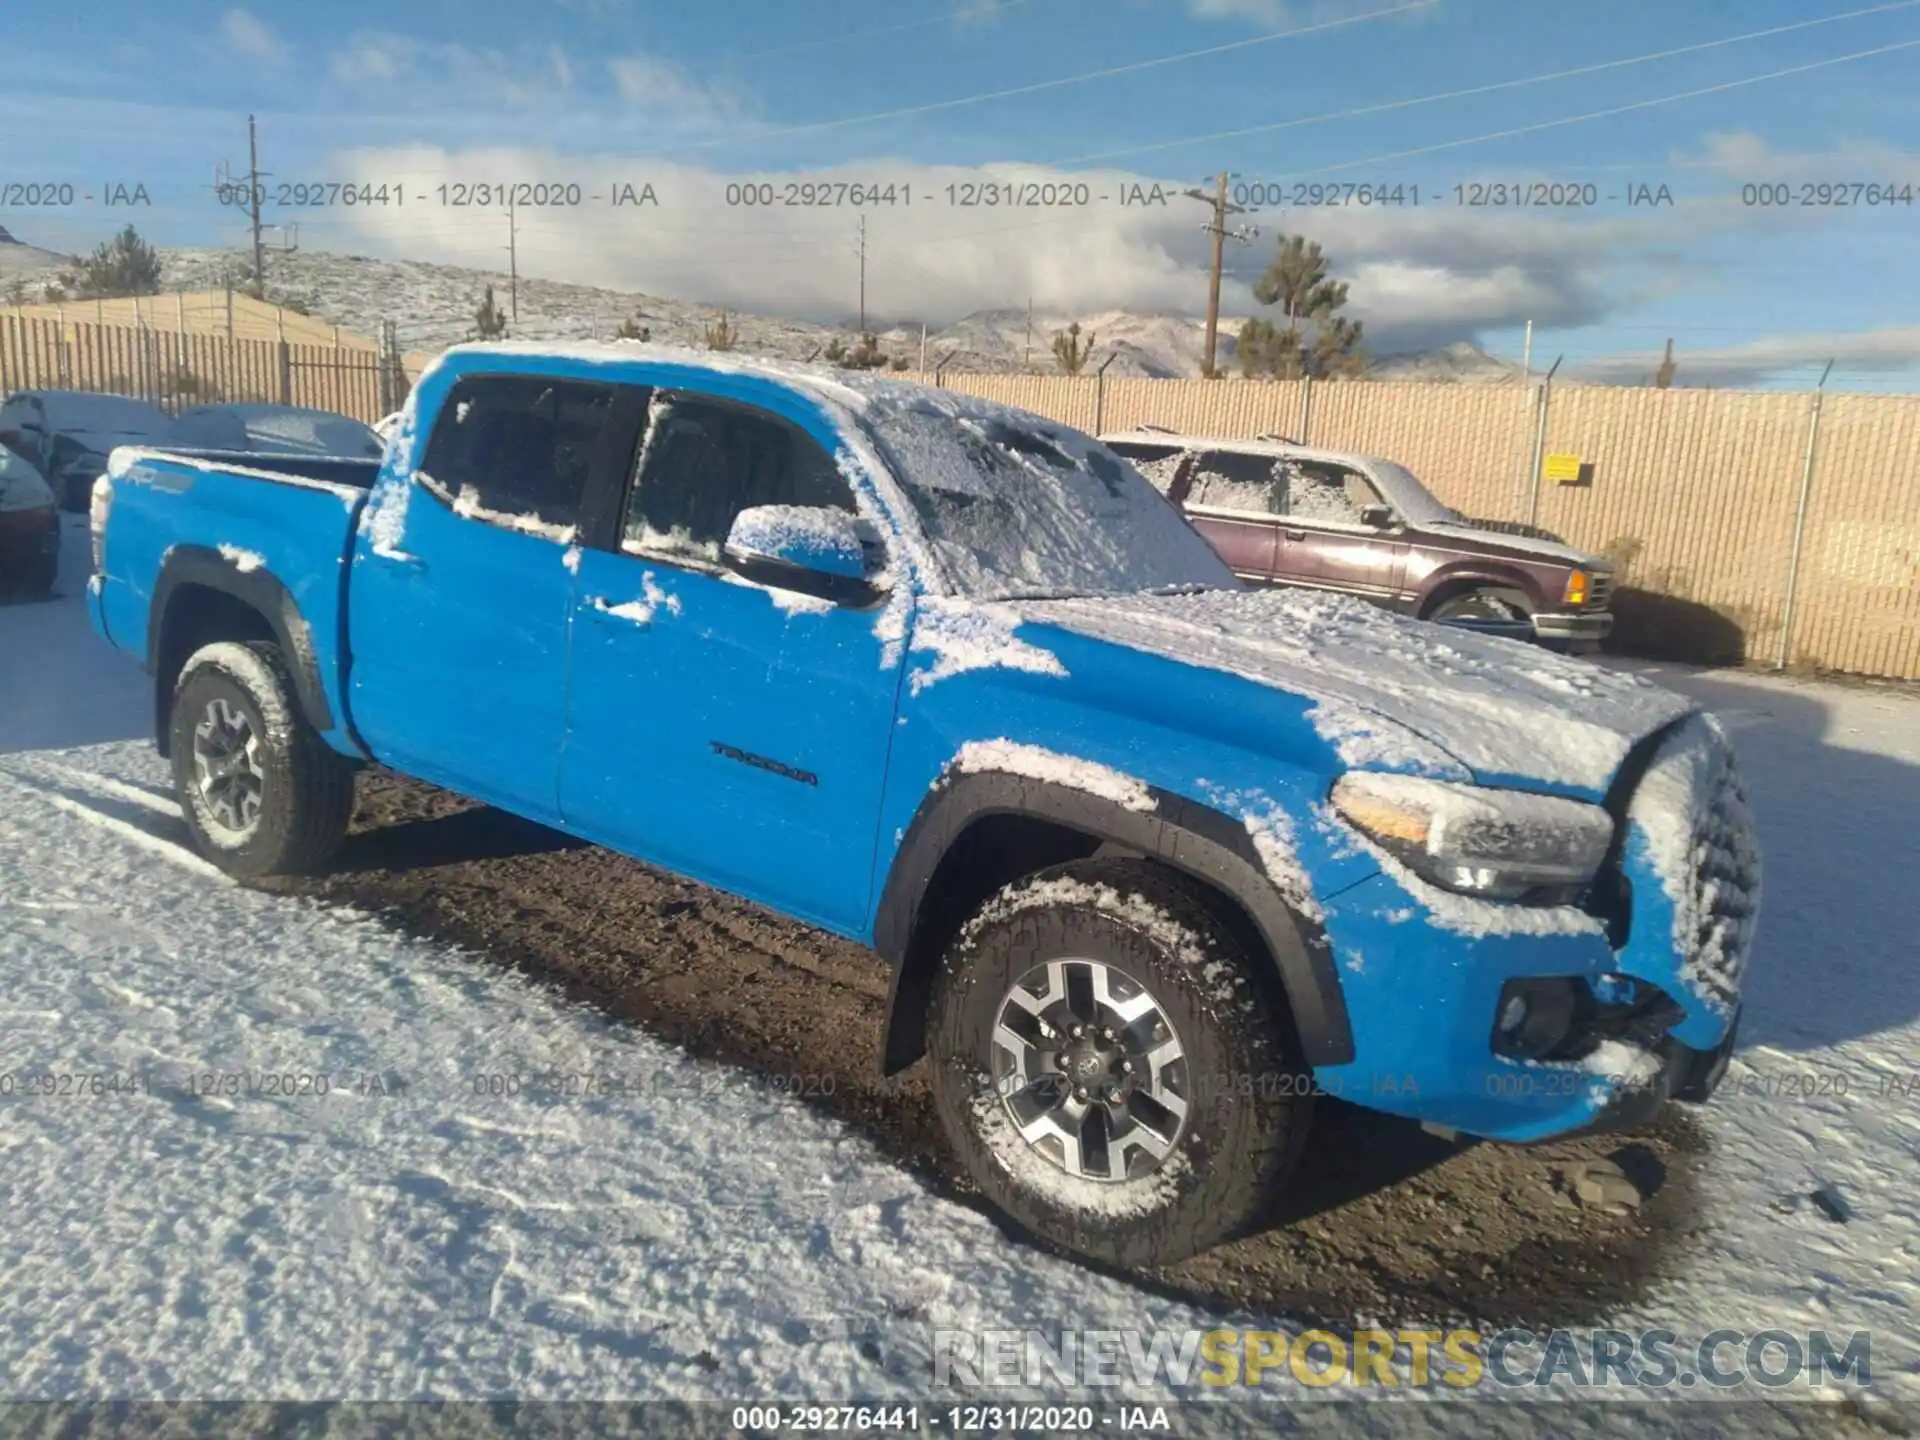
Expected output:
{"points": [[852, 390], [1396, 483], [1279, 449]]}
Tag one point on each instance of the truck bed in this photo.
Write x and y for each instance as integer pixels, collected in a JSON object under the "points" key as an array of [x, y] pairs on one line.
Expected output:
{"points": [[184, 518]]}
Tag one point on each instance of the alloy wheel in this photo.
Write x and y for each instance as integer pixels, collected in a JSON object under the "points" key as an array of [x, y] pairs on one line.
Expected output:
{"points": [[1090, 1070], [227, 767]]}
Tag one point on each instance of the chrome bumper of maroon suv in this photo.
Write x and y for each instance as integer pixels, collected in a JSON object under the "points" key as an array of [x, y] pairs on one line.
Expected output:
{"points": [[1583, 630]]}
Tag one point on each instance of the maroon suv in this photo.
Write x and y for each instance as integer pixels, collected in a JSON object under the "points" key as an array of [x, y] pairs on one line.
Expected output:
{"points": [[1281, 513]]}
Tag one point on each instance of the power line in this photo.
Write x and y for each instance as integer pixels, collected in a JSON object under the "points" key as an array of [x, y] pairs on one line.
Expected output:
{"points": [[1612, 110], [1542, 79], [1060, 82], [971, 13]]}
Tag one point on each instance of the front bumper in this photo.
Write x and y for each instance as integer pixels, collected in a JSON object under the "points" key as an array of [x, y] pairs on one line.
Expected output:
{"points": [[1684, 1074], [1424, 974], [1579, 630]]}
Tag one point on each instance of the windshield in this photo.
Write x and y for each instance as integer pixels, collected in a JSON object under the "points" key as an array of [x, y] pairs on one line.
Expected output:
{"points": [[1014, 507], [1402, 489]]}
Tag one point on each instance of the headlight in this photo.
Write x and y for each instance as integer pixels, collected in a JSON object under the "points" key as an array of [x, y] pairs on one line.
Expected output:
{"points": [[1495, 844]]}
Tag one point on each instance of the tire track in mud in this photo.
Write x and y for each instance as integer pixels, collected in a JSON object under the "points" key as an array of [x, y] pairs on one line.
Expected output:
{"points": [[1383, 1220]]}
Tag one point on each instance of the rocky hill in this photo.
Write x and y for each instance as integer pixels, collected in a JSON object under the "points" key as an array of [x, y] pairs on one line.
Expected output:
{"points": [[433, 306]]}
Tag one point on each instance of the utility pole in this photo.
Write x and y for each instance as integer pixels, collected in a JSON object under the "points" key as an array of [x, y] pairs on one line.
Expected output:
{"points": [[226, 276], [513, 262], [1026, 362], [253, 203], [1217, 227], [861, 251]]}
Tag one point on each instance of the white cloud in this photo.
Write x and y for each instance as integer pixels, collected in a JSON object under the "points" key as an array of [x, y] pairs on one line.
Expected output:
{"points": [[1770, 358], [1417, 278], [443, 73], [244, 34], [660, 85]]}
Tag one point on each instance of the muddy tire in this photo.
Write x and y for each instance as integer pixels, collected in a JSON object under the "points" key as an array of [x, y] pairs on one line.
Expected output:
{"points": [[261, 791], [1169, 1118]]}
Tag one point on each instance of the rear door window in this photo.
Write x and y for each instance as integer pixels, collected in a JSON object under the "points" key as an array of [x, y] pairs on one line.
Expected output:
{"points": [[517, 450], [1227, 480]]}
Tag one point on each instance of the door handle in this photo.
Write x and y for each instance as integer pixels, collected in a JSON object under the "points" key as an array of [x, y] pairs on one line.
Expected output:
{"points": [[1294, 534]]}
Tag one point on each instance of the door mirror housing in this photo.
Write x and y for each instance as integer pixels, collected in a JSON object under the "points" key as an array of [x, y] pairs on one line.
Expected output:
{"points": [[1378, 517], [825, 553]]}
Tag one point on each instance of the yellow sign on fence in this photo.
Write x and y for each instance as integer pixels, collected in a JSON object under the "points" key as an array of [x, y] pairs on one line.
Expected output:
{"points": [[1562, 469]]}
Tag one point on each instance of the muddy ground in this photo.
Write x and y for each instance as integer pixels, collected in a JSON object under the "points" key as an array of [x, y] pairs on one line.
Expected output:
{"points": [[1384, 1221]]}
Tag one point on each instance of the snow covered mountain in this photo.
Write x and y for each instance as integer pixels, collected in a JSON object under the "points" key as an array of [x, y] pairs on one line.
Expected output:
{"points": [[433, 306], [19, 258]]}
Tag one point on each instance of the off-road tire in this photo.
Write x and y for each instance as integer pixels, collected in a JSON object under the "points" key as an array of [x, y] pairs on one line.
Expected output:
{"points": [[1249, 1098], [306, 788]]}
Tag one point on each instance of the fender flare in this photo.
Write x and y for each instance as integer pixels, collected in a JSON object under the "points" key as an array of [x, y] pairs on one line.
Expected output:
{"points": [[1181, 833], [1472, 573], [259, 590]]}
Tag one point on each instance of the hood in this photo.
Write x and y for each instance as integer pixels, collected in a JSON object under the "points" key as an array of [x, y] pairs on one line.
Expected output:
{"points": [[1524, 547], [1393, 693]]}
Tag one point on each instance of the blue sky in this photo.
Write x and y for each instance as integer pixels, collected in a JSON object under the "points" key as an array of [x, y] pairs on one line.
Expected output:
{"points": [[938, 92]]}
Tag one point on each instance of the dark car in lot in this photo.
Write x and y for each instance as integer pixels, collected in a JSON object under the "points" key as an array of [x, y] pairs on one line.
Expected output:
{"points": [[246, 429], [1282, 513], [68, 434], [29, 528]]}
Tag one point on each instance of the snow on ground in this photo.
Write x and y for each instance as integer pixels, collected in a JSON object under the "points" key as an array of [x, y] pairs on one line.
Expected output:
{"points": [[410, 1234]]}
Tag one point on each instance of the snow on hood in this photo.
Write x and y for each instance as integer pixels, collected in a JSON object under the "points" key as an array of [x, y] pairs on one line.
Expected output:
{"points": [[1526, 545], [1391, 692]]}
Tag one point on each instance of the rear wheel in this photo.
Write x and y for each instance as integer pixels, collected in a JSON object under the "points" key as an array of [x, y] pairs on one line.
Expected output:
{"points": [[1110, 1069], [261, 791]]}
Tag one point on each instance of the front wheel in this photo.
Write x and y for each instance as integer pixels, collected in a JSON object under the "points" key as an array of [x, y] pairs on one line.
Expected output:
{"points": [[1481, 607], [261, 791], [1109, 1067]]}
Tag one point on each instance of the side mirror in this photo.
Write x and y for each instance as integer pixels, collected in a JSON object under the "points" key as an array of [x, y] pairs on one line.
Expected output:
{"points": [[804, 548], [1379, 517]]}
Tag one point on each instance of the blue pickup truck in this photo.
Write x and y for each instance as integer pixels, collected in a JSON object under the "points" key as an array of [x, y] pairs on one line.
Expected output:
{"points": [[1157, 860]]}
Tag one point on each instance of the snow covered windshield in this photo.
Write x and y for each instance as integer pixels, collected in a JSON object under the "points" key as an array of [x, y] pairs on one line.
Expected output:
{"points": [[1014, 507]]}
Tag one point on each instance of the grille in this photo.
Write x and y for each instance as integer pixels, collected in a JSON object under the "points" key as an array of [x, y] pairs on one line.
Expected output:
{"points": [[1599, 592]]}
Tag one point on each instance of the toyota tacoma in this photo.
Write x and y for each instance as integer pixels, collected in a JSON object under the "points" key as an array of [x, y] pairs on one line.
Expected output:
{"points": [[1157, 860]]}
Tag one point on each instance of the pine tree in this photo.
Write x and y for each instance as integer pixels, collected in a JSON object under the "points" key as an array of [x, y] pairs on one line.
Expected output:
{"points": [[1669, 367], [1297, 281], [488, 322], [1071, 351], [124, 265], [867, 355]]}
